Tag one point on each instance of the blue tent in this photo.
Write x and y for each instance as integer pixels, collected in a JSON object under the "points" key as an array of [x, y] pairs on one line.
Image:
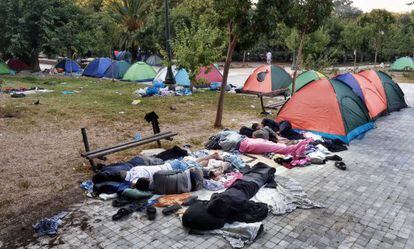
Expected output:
{"points": [[124, 56], [117, 70], [180, 75], [68, 65], [97, 67]]}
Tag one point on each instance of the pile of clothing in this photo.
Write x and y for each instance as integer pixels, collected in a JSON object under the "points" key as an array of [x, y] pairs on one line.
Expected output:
{"points": [[160, 89]]}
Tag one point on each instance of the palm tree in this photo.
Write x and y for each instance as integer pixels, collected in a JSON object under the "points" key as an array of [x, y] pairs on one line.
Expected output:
{"points": [[130, 16]]}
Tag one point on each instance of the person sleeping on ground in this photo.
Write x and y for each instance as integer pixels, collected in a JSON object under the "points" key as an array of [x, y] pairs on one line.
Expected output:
{"points": [[187, 174], [233, 141], [264, 132]]}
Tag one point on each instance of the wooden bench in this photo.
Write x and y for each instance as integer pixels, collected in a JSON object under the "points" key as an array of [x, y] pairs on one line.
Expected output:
{"points": [[279, 92], [102, 152]]}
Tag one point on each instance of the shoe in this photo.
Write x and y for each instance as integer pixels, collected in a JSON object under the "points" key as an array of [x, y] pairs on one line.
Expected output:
{"points": [[190, 200], [123, 212], [334, 158], [151, 213], [120, 202], [340, 165], [171, 209]]}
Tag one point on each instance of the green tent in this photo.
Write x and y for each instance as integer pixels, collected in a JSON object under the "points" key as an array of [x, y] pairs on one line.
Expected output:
{"points": [[4, 69], [403, 64], [306, 77], [395, 96], [140, 72]]}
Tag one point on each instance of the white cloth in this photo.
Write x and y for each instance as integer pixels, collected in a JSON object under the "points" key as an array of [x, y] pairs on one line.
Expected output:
{"points": [[238, 234], [145, 172], [288, 196]]}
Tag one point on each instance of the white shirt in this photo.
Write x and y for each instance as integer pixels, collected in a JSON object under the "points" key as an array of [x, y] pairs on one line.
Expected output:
{"points": [[145, 172], [269, 55]]}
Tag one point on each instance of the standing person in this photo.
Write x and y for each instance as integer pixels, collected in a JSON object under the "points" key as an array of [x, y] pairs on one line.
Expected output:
{"points": [[269, 57]]}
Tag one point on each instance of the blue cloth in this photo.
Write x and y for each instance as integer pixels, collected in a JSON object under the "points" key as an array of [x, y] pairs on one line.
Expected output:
{"points": [[200, 153], [122, 187], [178, 165], [235, 160], [151, 91], [117, 167], [212, 185], [107, 187], [87, 185], [136, 161], [49, 226]]}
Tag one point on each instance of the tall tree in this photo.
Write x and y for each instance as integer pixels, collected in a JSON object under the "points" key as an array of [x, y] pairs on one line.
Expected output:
{"points": [[235, 16], [306, 16], [352, 38], [130, 16], [198, 41], [377, 25]]}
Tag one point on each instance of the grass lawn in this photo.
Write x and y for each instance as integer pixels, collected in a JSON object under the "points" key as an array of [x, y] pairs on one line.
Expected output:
{"points": [[41, 144]]}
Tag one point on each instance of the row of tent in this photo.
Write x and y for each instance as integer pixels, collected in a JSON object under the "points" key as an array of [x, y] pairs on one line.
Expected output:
{"points": [[138, 72], [343, 107]]}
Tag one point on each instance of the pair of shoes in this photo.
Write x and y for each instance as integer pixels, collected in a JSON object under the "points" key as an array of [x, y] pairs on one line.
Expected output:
{"points": [[171, 209], [123, 212], [340, 165], [151, 213]]}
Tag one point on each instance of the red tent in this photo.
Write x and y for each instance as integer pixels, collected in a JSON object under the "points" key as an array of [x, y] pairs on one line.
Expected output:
{"points": [[17, 64], [210, 74]]}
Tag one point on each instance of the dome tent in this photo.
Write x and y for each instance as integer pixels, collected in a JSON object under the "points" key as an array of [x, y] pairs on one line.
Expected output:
{"points": [[306, 77], [328, 108], [267, 79], [4, 69], [154, 60], [370, 95], [210, 74], [139, 72], [403, 64], [17, 64], [68, 65], [97, 67], [395, 96], [117, 70], [180, 75]]}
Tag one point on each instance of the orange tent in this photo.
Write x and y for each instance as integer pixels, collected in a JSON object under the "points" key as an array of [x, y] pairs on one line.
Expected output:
{"points": [[373, 97], [267, 79], [329, 108]]}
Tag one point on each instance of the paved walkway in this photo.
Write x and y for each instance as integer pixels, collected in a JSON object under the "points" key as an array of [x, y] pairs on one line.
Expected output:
{"points": [[371, 205]]}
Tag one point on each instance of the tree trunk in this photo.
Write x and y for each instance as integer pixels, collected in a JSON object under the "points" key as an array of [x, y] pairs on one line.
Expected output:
{"points": [[376, 56], [134, 51], [244, 57], [230, 50], [298, 60], [355, 57], [34, 61]]}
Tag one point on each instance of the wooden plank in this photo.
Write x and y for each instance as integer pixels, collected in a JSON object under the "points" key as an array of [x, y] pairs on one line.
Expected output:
{"points": [[123, 144], [128, 146]]}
